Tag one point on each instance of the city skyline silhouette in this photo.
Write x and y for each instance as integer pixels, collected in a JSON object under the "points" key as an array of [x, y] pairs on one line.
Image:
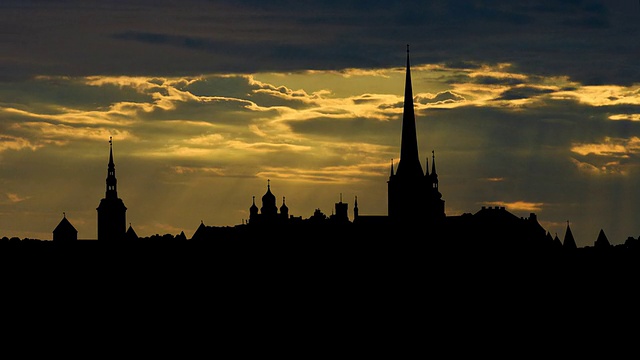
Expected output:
{"points": [[414, 204], [535, 112], [288, 177]]}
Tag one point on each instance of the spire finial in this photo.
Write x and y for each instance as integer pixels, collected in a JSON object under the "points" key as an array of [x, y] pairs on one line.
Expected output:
{"points": [[64, 215], [110, 140], [407, 48]]}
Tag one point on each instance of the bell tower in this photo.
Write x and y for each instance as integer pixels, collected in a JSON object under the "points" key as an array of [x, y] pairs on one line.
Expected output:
{"points": [[112, 220]]}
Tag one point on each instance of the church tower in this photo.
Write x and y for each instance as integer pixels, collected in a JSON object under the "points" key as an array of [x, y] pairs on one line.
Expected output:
{"points": [[413, 195], [112, 221]]}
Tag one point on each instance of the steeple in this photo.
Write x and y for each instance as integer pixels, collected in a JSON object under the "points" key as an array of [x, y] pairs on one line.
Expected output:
{"points": [[412, 195], [112, 182], [284, 209], [433, 163], [569, 242], [111, 211], [434, 175], [409, 164]]}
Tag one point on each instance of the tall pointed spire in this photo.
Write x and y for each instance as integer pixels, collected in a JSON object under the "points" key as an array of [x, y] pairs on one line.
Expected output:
{"points": [[433, 162], [409, 164], [111, 211], [112, 182]]}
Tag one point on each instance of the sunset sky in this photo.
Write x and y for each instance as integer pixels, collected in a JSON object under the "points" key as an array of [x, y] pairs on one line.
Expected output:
{"points": [[534, 106]]}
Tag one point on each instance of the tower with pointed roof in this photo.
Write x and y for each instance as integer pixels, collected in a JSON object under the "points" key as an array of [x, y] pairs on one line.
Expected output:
{"points": [[65, 232], [284, 210], [413, 195], [569, 242], [112, 220]]}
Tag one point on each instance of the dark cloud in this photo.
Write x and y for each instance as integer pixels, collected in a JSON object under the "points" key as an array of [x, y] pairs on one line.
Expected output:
{"points": [[591, 41], [523, 92], [439, 98], [492, 80]]}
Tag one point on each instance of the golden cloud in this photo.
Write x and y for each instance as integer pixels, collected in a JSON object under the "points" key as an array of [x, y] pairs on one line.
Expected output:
{"points": [[630, 117], [519, 205], [618, 147], [46, 131], [8, 142], [610, 168]]}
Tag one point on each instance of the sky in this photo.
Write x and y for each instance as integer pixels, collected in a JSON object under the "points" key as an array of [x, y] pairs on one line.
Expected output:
{"points": [[534, 106]]}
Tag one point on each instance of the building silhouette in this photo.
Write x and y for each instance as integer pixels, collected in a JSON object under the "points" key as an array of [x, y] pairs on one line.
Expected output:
{"points": [[413, 195], [268, 214], [112, 219], [65, 232]]}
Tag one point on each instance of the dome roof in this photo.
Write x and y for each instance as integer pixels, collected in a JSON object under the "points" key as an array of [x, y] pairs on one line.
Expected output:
{"points": [[268, 197]]}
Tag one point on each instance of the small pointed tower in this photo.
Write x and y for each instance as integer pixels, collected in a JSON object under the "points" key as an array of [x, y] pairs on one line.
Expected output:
{"points": [[434, 201], [253, 212], [284, 210], [131, 234], [602, 242], [65, 232], [112, 221], [569, 242]]}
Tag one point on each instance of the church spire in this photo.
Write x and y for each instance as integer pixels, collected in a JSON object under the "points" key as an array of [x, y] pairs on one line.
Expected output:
{"points": [[434, 175], [112, 182], [433, 163], [112, 224], [409, 164]]}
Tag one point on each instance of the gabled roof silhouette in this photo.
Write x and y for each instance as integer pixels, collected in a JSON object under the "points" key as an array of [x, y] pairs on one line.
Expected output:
{"points": [[200, 232], [65, 231], [64, 227], [131, 234]]}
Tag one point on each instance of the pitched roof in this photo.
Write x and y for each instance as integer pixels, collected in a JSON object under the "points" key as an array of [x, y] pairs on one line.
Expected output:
{"points": [[602, 240], [64, 227], [569, 242]]}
